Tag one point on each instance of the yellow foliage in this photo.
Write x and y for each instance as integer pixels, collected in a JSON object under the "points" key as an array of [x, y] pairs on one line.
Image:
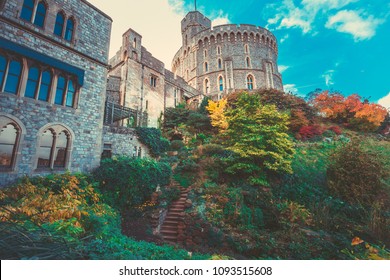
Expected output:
{"points": [[217, 114]]}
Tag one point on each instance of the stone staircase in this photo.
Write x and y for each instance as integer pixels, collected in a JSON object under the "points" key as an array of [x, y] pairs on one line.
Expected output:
{"points": [[171, 228]]}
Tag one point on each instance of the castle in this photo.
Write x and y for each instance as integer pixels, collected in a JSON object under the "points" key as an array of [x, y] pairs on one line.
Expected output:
{"points": [[64, 105]]}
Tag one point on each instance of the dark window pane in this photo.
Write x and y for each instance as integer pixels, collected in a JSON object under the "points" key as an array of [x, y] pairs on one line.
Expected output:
{"points": [[59, 27], [70, 95], [12, 83], [27, 10], [32, 82], [44, 89], [61, 150], [59, 99], [44, 152], [69, 30], [3, 65], [40, 14], [220, 84], [8, 137]]}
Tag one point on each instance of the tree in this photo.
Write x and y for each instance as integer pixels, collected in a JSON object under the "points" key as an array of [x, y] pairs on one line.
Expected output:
{"points": [[256, 134], [217, 110]]}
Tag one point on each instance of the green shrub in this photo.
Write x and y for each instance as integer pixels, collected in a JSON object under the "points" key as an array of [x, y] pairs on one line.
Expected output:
{"points": [[176, 145], [153, 139], [127, 182], [213, 150], [355, 174]]}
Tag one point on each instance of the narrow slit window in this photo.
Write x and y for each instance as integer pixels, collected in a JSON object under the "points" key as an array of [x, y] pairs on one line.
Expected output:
{"points": [[59, 25]]}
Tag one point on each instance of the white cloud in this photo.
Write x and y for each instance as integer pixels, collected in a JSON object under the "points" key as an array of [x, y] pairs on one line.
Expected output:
{"points": [[290, 88], [352, 22], [283, 68], [303, 15], [385, 101], [284, 38], [329, 77], [220, 18]]}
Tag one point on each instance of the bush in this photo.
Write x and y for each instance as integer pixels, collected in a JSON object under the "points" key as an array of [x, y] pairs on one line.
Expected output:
{"points": [[336, 129], [153, 139], [356, 175], [310, 131], [213, 150], [176, 145], [128, 182]]}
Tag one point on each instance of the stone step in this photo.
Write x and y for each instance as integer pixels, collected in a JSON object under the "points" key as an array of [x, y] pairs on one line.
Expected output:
{"points": [[168, 232], [169, 227], [174, 222], [170, 239]]}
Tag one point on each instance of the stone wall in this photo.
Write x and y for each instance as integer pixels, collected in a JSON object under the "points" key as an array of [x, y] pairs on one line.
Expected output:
{"points": [[88, 52], [123, 141], [145, 84]]}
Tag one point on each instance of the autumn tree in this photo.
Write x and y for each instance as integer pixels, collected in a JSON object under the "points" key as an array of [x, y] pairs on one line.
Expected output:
{"points": [[351, 110], [217, 114], [256, 134]]}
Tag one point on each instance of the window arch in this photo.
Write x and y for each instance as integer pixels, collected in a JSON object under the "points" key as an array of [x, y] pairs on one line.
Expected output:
{"points": [[69, 31], [54, 147], [12, 77], [206, 67], [219, 63], [246, 48], [205, 53], [220, 83], [27, 10], [206, 86], [40, 15], [3, 67], [59, 25], [249, 82], [248, 62], [10, 133], [219, 50]]}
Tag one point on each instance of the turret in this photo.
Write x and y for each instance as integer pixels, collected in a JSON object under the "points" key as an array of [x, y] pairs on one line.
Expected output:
{"points": [[193, 23]]}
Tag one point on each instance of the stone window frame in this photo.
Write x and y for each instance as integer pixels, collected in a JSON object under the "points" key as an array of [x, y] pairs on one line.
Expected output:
{"points": [[34, 12], [56, 129], [41, 68], [252, 83], [246, 48], [206, 85], [153, 80], [219, 63], [26, 64], [219, 50], [63, 14], [206, 67], [221, 86], [247, 62], [6, 119], [9, 59]]}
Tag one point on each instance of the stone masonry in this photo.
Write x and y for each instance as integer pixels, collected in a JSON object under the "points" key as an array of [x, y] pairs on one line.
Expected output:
{"points": [[88, 53]]}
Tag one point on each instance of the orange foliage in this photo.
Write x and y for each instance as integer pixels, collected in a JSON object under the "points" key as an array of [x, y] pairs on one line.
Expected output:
{"points": [[351, 109]]}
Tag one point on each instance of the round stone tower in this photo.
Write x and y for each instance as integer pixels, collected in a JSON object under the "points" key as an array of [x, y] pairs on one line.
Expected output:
{"points": [[226, 58]]}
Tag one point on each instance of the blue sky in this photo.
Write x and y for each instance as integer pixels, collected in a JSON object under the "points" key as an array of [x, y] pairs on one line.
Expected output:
{"points": [[342, 45]]}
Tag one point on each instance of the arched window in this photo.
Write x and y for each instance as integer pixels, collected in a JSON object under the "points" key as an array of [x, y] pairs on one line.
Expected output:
{"points": [[219, 63], [9, 139], [249, 82], [60, 91], [13, 77], [218, 50], [40, 14], [135, 43], [206, 67], [32, 82], [220, 82], [27, 10], [207, 86], [59, 25], [246, 49], [45, 149], [61, 150], [70, 95], [54, 148], [44, 88], [69, 30], [205, 53], [248, 62], [3, 66]]}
